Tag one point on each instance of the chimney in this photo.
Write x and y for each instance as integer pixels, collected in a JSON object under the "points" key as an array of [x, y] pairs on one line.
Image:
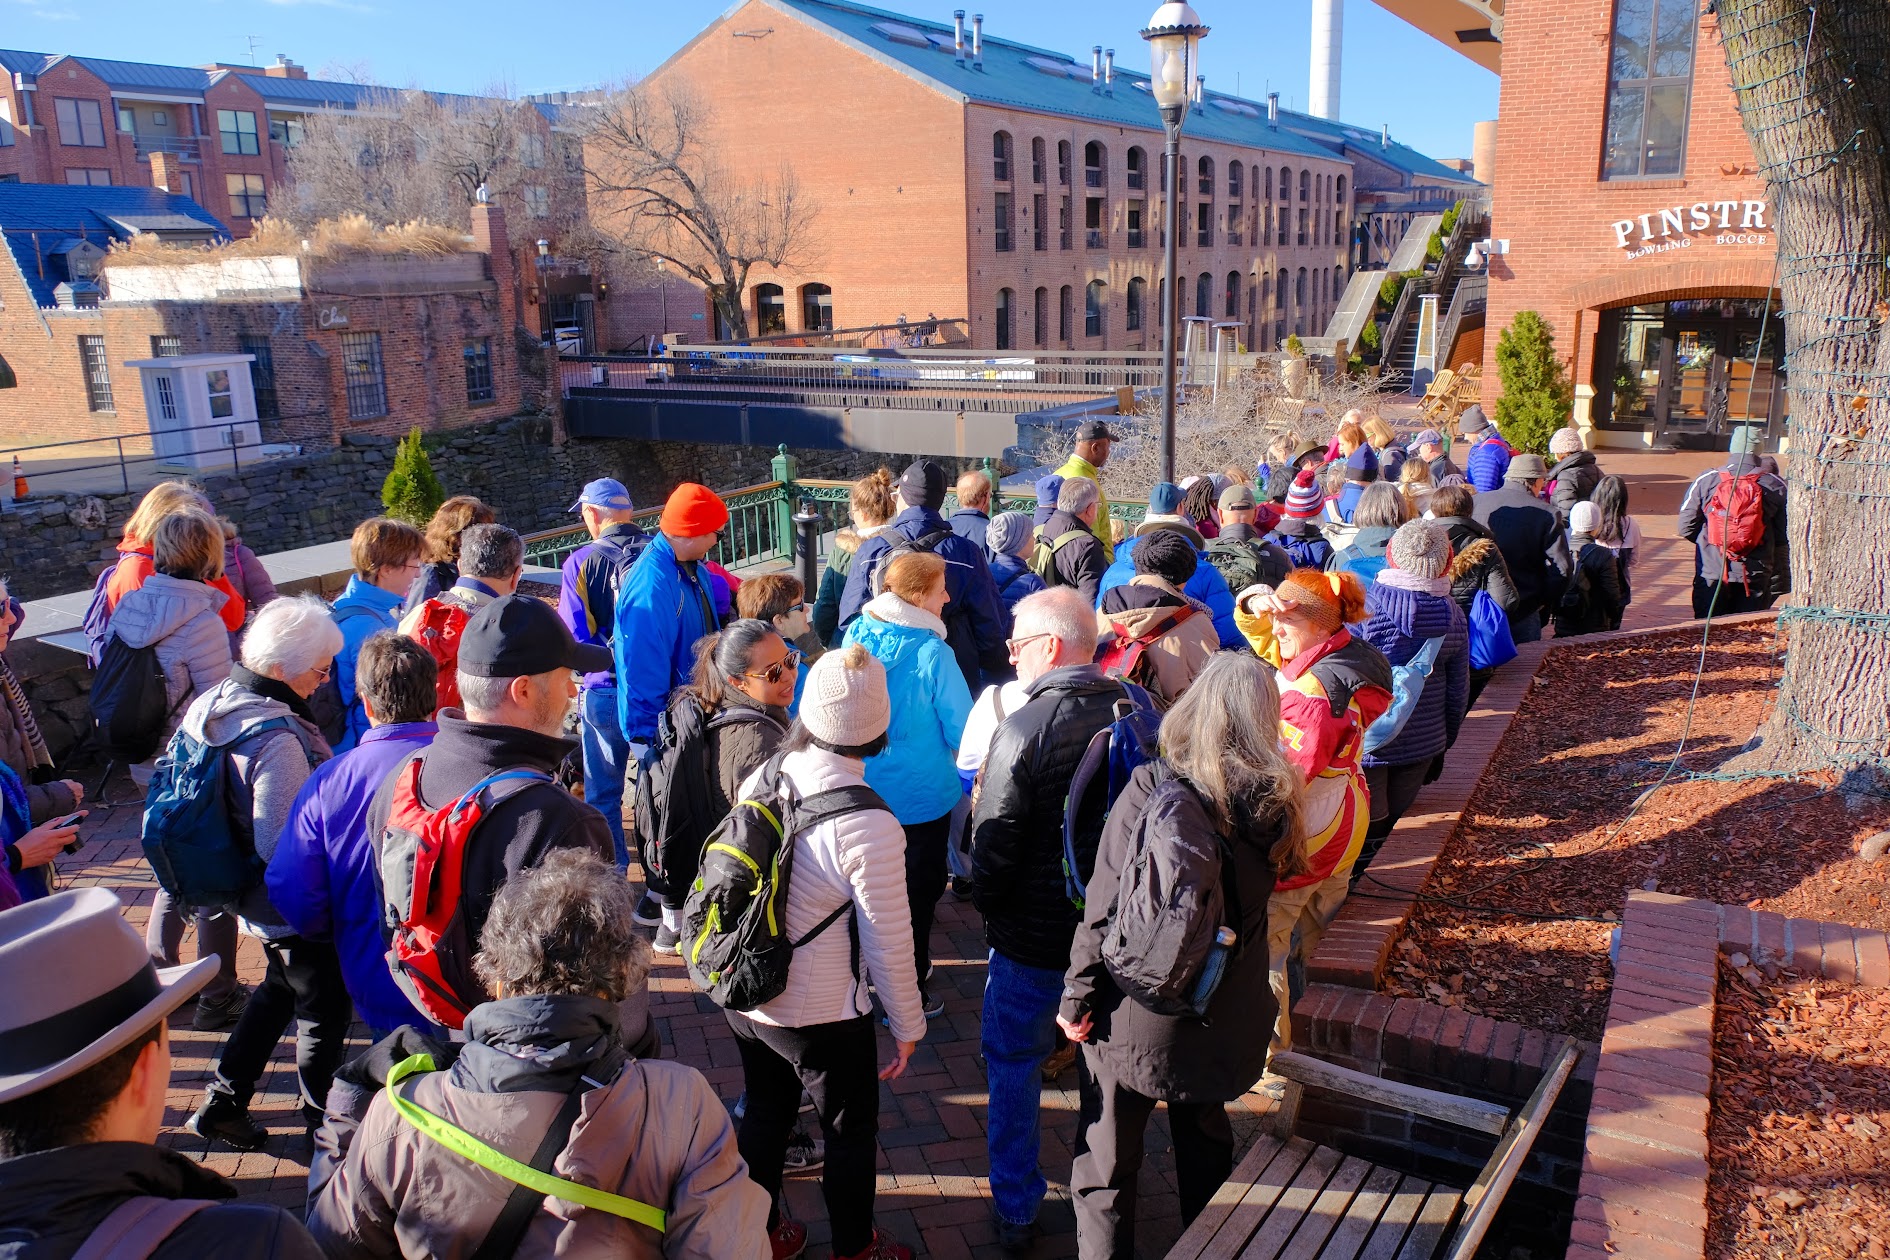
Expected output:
{"points": [[164, 171], [958, 35], [285, 69], [1095, 69], [1273, 109], [490, 238], [977, 40], [1200, 92], [1384, 139], [1109, 72]]}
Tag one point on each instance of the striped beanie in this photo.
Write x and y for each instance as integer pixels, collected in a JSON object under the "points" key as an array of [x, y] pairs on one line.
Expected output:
{"points": [[1304, 500]]}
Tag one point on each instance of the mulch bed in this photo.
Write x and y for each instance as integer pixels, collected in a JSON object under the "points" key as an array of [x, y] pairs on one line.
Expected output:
{"points": [[1596, 731], [1800, 1130]]}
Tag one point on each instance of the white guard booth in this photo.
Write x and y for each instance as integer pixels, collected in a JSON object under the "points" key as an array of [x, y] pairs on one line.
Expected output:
{"points": [[201, 407]]}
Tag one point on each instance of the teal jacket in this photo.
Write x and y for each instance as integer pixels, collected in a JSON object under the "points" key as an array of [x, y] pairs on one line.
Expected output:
{"points": [[918, 773], [361, 611]]}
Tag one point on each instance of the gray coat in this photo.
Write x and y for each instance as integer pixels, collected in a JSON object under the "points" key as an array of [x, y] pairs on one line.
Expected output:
{"points": [[182, 619]]}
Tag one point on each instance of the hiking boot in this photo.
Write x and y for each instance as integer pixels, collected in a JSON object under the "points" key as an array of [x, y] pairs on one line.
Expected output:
{"points": [[649, 912], [1014, 1239], [881, 1248], [211, 1016], [1058, 1062], [932, 1004], [667, 941], [961, 888], [789, 1239], [805, 1153], [222, 1118]]}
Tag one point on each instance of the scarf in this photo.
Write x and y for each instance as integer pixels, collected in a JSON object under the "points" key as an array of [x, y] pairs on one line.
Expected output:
{"points": [[15, 698], [1398, 579], [263, 685]]}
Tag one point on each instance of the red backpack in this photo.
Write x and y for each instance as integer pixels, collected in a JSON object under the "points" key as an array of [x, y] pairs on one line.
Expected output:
{"points": [[437, 630], [1126, 658], [1735, 514], [422, 868]]}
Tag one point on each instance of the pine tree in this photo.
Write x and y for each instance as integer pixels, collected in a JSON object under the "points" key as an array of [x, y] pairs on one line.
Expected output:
{"points": [[1537, 397], [411, 492]]}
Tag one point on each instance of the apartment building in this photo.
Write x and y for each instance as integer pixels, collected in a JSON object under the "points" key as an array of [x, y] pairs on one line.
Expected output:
{"points": [[963, 175]]}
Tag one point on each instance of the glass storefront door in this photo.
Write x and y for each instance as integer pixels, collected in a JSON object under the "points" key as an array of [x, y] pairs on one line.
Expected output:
{"points": [[1691, 371]]}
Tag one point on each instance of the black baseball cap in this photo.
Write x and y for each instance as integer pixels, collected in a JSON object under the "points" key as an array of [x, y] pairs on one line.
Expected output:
{"points": [[1094, 431], [518, 636]]}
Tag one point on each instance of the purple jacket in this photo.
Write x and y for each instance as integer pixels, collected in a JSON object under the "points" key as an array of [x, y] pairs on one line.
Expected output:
{"points": [[322, 879]]}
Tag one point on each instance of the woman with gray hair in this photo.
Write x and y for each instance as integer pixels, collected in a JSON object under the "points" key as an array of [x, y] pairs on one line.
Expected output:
{"points": [[1381, 509], [648, 1152], [259, 719]]}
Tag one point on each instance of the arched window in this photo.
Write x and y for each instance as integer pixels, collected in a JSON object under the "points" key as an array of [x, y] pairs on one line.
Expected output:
{"points": [[1235, 180], [1204, 294], [770, 310], [1036, 160], [1204, 170], [1137, 167], [1095, 165], [1266, 307], [1269, 181], [817, 308], [1065, 314], [1004, 303], [1305, 186], [1338, 284], [1161, 301], [1063, 163], [1339, 196], [1041, 318], [1095, 301], [1001, 156], [1299, 302], [1286, 183], [1132, 312], [1231, 299], [1279, 292]]}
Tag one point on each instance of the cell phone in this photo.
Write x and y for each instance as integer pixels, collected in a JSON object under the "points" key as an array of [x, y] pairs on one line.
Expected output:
{"points": [[68, 821]]}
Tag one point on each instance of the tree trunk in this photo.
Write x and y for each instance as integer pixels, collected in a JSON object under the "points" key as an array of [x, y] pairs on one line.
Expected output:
{"points": [[1813, 87]]}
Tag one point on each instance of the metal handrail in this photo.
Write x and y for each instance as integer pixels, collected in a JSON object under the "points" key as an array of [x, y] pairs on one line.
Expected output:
{"points": [[123, 462], [1472, 290]]}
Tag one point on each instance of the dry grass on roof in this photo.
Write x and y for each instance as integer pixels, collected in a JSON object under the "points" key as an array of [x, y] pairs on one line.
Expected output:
{"points": [[350, 236]]}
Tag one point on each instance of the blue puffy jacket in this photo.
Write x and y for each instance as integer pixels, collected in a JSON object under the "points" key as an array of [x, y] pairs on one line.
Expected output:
{"points": [[661, 611], [363, 610], [1365, 555], [322, 877], [1014, 580], [1488, 463], [1207, 585], [918, 772], [1397, 622], [976, 620]]}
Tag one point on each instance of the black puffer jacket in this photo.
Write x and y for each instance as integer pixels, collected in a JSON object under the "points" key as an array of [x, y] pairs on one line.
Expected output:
{"points": [[1476, 565], [1017, 820], [1216, 1059], [1575, 478], [51, 1201]]}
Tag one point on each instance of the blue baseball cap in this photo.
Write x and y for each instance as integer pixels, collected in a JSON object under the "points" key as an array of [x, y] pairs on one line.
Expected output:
{"points": [[605, 492]]}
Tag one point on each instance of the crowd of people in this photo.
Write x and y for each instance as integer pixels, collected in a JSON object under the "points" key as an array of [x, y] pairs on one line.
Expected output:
{"points": [[414, 798]]}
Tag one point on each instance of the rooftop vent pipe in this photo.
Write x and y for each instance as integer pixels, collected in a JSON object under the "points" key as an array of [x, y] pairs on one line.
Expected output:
{"points": [[1095, 69], [1273, 109], [1109, 72], [958, 35], [977, 40]]}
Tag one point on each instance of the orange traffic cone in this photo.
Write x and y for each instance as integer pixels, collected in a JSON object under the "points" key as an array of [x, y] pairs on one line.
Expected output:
{"points": [[19, 479]]}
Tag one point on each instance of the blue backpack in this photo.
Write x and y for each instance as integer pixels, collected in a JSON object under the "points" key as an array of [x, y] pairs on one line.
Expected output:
{"points": [[1491, 643], [98, 618], [1114, 752], [200, 856]]}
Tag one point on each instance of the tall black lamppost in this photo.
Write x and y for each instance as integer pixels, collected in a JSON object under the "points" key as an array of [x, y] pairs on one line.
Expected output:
{"points": [[1174, 42]]}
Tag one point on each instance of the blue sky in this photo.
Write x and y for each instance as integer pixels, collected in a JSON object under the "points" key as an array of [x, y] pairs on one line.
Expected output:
{"points": [[1391, 73]]}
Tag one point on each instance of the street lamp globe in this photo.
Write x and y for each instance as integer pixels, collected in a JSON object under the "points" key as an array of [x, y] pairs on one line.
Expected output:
{"points": [[1174, 39]]}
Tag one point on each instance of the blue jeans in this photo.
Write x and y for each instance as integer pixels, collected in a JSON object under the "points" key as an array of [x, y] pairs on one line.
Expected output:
{"points": [[606, 760], [1020, 1030]]}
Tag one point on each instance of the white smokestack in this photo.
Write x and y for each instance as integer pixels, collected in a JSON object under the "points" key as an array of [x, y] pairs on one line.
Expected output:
{"points": [[1095, 69], [1273, 109], [958, 35], [977, 40], [1328, 41], [1109, 72]]}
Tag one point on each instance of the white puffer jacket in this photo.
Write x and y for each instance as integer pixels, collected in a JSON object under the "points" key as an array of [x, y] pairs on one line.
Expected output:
{"points": [[182, 619], [859, 858]]}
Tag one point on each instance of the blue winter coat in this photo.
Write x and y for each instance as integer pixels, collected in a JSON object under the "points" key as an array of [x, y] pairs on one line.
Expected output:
{"points": [[1207, 585], [1014, 580], [1347, 502], [322, 877], [976, 621], [363, 610], [918, 772], [1364, 555], [1397, 622], [1488, 463], [1310, 550], [661, 611]]}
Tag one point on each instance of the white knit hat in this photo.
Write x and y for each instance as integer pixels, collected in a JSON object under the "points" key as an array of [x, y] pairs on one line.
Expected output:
{"points": [[845, 702], [1421, 549], [1584, 518], [1565, 441]]}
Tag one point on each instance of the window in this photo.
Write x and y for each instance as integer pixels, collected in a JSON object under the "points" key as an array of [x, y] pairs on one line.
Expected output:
{"points": [[164, 346], [246, 196], [1137, 215], [1305, 185], [1299, 290], [1286, 183], [1650, 83], [1004, 301], [1302, 224], [1063, 164], [217, 382], [287, 132], [1230, 306], [770, 309], [1235, 187], [817, 307], [478, 356], [98, 374], [1161, 302], [81, 124], [262, 373], [1132, 310], [1266, 227], [1095, 301], [237, 129], [1137, 166], [1233, 225], [1339, 192], [1269, 181], [1203, 294], [1001, 156], [361, 369], [1041, 318], [1204, 170], [1039, 222], [166, 396], [1095, 223], [127, 120], [1001, 222], [6, 123], [531, 150], [1036, 160], [96, 177], [1065, 311], [537, 201], [1203, 225], [1279, 292], [1064, 212], [1095, 165]]}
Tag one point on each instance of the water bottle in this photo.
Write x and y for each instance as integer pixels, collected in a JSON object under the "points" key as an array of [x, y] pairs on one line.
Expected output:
{"points": [[1213, 970]]}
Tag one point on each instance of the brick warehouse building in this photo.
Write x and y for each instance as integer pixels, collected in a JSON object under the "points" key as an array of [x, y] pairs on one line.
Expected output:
{"points": [[1021, 189], [372, 343], [1636, 222]]}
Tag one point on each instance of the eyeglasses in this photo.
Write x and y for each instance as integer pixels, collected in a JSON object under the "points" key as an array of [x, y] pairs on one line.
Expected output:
{"points": [[322, 671], [1017, 645], [773, 673]]}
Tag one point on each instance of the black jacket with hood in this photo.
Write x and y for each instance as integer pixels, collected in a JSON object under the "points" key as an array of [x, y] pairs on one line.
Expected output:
{"points": [[1575, 478]]}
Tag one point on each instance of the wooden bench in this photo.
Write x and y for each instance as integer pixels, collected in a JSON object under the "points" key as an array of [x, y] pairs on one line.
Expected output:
{"points": [[1291, 1199]]}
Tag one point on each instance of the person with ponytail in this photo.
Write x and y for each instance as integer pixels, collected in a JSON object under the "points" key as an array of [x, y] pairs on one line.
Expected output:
{"points": [[1332, 687]]}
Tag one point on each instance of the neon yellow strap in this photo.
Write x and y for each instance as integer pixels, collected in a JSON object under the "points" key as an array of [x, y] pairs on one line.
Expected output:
{"points": [[468, 1147]]}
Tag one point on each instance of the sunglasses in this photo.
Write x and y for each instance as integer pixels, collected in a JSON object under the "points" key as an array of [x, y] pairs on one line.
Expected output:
{"points": [[774, 672]]}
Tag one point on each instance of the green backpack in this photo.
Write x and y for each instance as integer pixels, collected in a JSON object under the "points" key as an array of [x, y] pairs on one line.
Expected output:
{"points": [[1043, 556]]}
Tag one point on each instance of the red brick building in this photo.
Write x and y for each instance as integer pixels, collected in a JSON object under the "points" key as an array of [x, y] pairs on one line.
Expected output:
{"points": [[1636, 222]]}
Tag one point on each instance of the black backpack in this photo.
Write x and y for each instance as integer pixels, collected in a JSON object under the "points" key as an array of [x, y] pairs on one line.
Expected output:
{"points": [[1166, 943], [735, 939], [924, 544], [673, 803], [621, 554], [325, 706], [130, 701]]}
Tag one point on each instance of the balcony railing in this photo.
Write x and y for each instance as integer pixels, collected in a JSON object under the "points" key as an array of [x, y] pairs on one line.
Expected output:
{"points": [[1137, 179], [1135, 238], [1096, 238], [186, 147], [1092, 177]]}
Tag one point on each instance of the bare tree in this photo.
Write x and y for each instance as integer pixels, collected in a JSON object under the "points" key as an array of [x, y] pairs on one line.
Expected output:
{"points": [[648, 159], [1813, 85]]}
